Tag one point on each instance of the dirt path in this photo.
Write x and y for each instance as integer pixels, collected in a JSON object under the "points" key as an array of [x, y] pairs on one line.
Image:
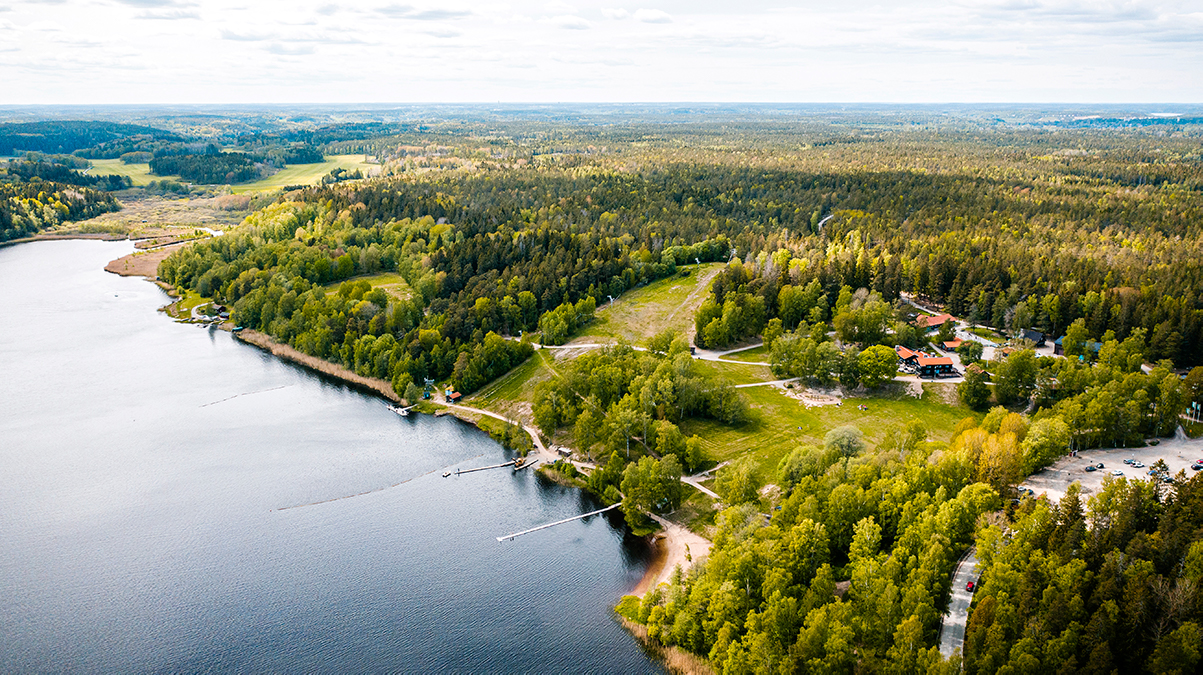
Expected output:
{"points": [[541, 451], [695, 299]]}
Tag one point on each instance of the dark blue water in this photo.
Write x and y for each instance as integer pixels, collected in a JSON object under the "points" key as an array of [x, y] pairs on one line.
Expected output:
{"points": [[146, 468]]}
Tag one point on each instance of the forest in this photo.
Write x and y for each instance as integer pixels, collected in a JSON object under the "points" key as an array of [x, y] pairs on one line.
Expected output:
{"points": [[499, 233]]}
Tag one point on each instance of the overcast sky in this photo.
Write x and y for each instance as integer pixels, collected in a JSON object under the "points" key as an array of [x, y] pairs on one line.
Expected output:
{"points": [[180, 51]]}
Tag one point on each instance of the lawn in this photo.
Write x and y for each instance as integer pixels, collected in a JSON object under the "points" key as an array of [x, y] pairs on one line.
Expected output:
{"points": [[391, 283], [512, 393], [639, 314], [305, 174], [735, 373], [761, 354], [781, 423]]}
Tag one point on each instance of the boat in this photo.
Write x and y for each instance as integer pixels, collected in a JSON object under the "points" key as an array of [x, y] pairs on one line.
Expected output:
{"points": [[446, 473], [404, 412]]}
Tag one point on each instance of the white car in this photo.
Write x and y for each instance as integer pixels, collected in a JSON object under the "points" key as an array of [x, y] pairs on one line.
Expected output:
{"points": [[1117, 472]]}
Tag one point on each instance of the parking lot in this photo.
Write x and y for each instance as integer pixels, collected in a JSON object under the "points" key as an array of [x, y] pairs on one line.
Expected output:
{"points": [[1178, 453]]}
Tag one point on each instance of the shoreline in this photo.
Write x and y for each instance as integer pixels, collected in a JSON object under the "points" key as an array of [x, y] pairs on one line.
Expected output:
{"points": [[265, 342], [673, 547]]}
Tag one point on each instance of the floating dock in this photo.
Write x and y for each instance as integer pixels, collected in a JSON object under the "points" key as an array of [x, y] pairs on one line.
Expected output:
{"points": [[485, 468], [559, 522]]}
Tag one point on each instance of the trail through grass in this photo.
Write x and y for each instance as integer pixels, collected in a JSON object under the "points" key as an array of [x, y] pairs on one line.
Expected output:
{"points": [[669, 303]]}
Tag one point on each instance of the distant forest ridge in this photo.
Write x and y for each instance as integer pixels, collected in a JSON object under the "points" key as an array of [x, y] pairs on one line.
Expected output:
{"points": [[68, 136]]}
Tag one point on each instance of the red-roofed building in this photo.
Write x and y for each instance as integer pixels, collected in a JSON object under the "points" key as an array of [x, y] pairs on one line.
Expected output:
{"points": [[932, 322], [951, 345], [907, 356], [934, 367]]}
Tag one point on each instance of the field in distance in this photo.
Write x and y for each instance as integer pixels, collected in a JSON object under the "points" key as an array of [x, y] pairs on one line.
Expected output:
{"points": [[297, 174]]}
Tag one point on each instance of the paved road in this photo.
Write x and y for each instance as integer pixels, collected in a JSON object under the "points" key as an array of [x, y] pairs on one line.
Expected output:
{"points": [[952, 628]]}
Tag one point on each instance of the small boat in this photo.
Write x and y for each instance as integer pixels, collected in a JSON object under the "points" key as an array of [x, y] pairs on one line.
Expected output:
{"points": [[404, 412], [446, 473]]}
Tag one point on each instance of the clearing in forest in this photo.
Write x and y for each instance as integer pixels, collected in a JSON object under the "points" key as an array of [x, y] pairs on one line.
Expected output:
{"points": [[637, 315]]}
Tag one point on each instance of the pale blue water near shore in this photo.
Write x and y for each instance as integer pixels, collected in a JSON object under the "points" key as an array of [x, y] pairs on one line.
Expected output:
{"points": [[144, 470]]}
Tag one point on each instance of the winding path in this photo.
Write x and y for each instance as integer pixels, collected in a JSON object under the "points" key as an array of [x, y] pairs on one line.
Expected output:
{"points": [[952, 627]]}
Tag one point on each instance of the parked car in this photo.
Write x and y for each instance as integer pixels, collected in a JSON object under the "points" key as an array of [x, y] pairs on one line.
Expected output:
{"points": [[1167, 479], [1128, 461], [1196, 466], [1090, 467], [1099, 465], [969, 586], [1139, 465], [1117, 472]]}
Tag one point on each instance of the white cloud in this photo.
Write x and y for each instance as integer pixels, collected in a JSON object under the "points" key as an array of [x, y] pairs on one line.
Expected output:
{"points": [[564, 50], [652, 16], [570, 22]]}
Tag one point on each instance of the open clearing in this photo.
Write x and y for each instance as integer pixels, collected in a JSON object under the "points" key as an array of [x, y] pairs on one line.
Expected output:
{"points": [[391, 283], [637, 315], [138, 173], [297, 174], [1178, 454], [781, 423], [306, 174], [143, 215]]}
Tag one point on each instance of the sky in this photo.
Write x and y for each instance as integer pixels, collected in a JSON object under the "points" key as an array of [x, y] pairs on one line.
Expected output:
{"points": [[183, 51]]}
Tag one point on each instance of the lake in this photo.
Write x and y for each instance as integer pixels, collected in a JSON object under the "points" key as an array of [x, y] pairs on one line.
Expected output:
{"points": [[174, 500]]}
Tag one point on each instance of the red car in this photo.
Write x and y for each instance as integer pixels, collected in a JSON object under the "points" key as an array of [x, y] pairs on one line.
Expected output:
{"points": [[969, 586]]}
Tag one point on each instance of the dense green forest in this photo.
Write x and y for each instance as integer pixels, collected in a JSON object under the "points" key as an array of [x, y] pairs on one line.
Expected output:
{"points": [[207, 168], [27, 208], [68, 136]]}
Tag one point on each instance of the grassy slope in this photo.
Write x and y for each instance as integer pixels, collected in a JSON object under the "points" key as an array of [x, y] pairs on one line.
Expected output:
{"points": [[643, 312], [138, 173], [390, 282], [782, 423], [304, 174]]}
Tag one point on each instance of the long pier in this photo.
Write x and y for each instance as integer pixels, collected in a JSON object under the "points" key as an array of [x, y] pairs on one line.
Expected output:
{"points": [[484, 468], [559, 522]]}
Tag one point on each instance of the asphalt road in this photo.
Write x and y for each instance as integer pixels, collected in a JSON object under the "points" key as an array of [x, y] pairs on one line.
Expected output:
{"points": [[952, 629]]}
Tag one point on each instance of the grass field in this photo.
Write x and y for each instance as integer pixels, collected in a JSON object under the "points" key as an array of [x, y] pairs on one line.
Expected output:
{"points": [[735, 373], [643, 312], [391, 283], [304, 174], [298, 174], [760, 354], [781, 423], [138, 173]]}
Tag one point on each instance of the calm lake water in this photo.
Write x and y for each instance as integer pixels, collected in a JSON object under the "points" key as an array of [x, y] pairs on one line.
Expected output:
{"points": [[158, 508]]}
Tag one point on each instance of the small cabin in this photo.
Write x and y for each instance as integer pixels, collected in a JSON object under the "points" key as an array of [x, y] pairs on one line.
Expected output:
{"points": [[935, 367], [951, 345], [454, 396]]}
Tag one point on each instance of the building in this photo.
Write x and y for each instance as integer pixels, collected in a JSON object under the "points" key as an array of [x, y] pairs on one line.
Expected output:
{"points": [[906, 356], [1089, 346], [1033, 335], [951, 345], [933, 322], [453, 396], [930, 366]]}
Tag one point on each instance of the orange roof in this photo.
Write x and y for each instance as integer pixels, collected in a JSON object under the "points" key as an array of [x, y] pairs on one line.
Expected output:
{"points": [[933, 361], [924, 321], [904, 352], [952, 344]]}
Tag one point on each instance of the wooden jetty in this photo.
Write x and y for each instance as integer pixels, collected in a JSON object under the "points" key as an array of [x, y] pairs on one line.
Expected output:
{"points": [[559, 522], [485, 468]]}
